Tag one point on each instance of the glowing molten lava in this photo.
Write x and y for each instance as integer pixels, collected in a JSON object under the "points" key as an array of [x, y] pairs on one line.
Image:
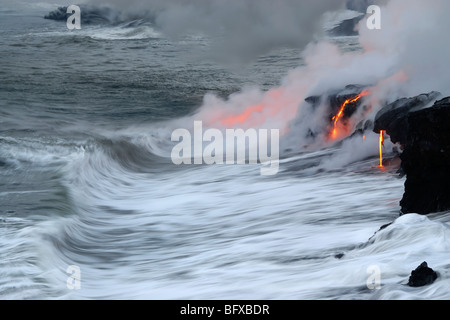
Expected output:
{"points": [[272, 104], [338, 116], [381, 147], [241, 118]]}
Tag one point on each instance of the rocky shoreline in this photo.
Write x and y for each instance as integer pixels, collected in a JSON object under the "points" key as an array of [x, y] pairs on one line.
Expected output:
{"points": [[419, 127], [423, 134]]}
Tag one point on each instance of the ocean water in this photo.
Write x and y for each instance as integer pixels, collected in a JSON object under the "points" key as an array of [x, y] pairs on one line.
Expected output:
{"points": [[86, 180]]}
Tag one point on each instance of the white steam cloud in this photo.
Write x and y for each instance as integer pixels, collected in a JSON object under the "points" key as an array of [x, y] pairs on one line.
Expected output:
{"points": [[414, 35], [240, 29], [408, 56]]}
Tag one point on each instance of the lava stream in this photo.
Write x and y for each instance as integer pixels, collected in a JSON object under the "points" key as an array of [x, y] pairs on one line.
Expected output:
{"points": [[338, 116], [381, 144]]}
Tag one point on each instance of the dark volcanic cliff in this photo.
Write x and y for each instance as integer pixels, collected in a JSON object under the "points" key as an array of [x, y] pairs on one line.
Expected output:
{"points": [[426, 160], [424, 135], [394, 117]]}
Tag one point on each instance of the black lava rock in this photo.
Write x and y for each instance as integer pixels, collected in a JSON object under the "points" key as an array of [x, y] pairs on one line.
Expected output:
{"points": [[339, 255], [333, 100], [425, 160], [336, 98], [422, 276], [346, 27], [58, 14], [394, 117], [89, 15]]}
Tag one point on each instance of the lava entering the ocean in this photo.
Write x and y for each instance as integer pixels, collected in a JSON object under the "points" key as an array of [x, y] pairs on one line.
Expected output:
{"points": [[381, 144]]}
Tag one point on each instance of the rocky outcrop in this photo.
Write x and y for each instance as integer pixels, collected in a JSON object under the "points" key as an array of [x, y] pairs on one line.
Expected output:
{"points": [[333, 100], [394, 117], [346, 27], [58, 14], [89, 15], [336, 98], [422, 130], [426, 159], [422, 276]]}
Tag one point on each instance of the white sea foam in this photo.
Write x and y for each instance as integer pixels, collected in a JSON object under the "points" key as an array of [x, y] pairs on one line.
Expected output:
{"points": [[124, 33]]}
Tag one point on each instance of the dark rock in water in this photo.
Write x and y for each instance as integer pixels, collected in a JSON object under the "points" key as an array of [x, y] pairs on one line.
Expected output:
{"points": [[422, 276], [394, 117], [346, 27], [58, 14], [426, 159], [89, 15], [339, 255]]}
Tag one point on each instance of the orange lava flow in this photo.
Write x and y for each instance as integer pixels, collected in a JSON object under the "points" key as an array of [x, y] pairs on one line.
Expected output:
{"points": [[338, 116], [271, 104], [241, 118], [381, 144]]}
